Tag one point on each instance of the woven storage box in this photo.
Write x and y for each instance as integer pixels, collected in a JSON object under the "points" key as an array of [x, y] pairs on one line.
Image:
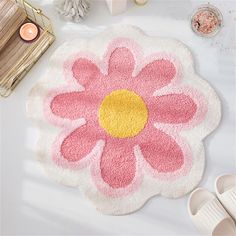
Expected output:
{"points": [[17, 56]]}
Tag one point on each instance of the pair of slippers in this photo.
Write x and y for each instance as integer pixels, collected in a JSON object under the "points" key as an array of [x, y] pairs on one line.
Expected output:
{"points": [[215, 214]]}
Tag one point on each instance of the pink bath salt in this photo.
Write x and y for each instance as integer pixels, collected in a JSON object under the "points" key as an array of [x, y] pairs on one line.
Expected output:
{"points": [[206, 21]]}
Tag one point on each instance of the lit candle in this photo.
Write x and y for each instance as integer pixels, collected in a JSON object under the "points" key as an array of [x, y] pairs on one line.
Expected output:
{"points": [[29, 32], [140, 2]]}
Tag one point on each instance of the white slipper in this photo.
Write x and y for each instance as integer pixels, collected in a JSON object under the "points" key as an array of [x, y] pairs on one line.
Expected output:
{"points": [[225, 186], [209, 215]]}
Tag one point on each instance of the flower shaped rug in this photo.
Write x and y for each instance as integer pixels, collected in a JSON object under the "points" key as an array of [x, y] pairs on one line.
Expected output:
{"points": [[123, 116]]}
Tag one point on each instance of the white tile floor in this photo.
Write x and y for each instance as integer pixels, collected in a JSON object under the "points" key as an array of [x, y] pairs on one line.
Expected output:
{"points": [[31, 204]]}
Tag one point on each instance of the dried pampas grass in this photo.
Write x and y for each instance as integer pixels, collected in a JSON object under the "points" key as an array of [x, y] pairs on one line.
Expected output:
{"points": [[73, 10]]}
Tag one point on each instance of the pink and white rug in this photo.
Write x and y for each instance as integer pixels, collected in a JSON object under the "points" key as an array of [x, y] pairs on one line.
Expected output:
{"points": [[123, 117]]}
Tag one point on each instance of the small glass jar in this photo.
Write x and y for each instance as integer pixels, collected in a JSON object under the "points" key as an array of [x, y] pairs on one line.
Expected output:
{"points": [[206, 20]]}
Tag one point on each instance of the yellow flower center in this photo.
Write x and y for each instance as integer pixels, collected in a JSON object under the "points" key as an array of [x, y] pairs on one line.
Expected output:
{"points": [[123, 114]]}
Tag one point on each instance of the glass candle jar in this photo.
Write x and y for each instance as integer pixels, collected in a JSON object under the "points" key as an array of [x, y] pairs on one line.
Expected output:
{"points": [[29, 32], [206, 20]]}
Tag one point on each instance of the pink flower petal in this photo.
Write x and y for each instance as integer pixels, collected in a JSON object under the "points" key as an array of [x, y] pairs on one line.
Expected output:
{"points": [[118, 163], [121, 63], [74, 105], [155, 75], [79, 143], [161, 151], [85, 71], [173, 108]]}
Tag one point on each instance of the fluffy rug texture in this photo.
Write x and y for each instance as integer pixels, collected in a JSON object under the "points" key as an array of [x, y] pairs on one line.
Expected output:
{"points": [[123, 117]]}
